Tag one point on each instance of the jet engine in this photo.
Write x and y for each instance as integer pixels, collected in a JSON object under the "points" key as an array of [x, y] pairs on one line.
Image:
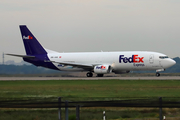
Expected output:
{"points": [[102, 69]]}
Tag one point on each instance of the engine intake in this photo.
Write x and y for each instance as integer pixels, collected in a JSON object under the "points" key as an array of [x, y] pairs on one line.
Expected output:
{"points": [[102, 69]]}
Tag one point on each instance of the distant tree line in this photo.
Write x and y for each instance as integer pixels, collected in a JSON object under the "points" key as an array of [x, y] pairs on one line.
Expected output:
{"points": [[24, 69]]}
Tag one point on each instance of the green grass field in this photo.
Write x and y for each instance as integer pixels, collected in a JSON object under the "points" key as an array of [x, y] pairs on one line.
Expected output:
{"points": [[82, 89], [90, 88]]}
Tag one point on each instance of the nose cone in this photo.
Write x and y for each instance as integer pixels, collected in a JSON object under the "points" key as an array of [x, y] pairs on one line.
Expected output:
{"points": [[172, 62], [168, 63]]}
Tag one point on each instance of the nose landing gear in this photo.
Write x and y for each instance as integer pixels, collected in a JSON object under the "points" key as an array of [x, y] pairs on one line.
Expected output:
{"points": [[157, 74]]}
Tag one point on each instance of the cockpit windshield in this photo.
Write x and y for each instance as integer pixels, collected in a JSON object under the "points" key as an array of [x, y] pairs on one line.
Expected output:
{"points": [[163, 57]]}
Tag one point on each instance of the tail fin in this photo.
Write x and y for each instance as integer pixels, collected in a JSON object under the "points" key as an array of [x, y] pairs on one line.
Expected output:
{"points": [[32, 46]]}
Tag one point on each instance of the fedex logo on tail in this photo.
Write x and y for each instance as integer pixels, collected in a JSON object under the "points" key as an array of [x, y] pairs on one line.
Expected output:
{"points": [[28, 37], [133, 59], [101, 67]]}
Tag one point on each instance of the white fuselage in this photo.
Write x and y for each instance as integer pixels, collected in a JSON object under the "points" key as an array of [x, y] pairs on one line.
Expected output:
{"points": [[97, 62], [119, 61]]}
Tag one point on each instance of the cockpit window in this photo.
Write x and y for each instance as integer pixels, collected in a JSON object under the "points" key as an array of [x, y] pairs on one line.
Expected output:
{"points": [[163, 57]]}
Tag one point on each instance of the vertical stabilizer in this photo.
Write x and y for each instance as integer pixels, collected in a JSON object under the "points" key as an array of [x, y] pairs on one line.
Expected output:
{"points": [[32, 46]]}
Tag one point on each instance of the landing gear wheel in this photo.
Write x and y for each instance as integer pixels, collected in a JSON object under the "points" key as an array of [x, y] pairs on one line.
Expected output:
{"points": [[89, 74], [157, 74], [100, 75]]}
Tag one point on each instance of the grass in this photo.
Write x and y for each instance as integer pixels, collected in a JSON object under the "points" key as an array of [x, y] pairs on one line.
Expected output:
{"points": [[90, 88], [88, 114], [83, 89]]}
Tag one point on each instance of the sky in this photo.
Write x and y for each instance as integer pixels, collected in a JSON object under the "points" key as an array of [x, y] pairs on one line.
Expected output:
{"points": [[92, 25]]}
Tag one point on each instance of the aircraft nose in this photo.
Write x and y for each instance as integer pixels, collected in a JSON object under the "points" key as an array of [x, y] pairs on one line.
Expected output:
{"points": [[168, 63], [171, 62]]}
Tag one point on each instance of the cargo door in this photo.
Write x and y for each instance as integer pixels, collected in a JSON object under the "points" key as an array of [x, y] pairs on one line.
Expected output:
{"points": [[151, 59]]}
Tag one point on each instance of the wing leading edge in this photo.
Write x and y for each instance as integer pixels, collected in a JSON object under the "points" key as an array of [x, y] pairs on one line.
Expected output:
{"points": [[80, 65]]}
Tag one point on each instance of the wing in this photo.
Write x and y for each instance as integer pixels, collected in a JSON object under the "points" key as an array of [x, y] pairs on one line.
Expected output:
{"points": [[79, 65]]}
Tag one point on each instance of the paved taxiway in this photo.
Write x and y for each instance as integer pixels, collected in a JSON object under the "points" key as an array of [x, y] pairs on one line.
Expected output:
{"points": [[93, 78]]}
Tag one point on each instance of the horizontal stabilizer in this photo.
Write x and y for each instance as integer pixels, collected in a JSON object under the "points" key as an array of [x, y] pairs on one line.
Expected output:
{"points": [[24, 56]]}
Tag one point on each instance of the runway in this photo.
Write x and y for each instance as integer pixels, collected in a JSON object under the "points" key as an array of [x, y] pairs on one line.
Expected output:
{"points": [[92, 78]]}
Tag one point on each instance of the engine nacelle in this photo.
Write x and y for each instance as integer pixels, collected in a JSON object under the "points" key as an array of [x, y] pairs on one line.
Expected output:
{"points": [[102, 69]]}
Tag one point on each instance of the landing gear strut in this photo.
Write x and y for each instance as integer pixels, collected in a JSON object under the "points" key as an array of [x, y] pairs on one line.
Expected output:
{"points": [[157, 74], [89, 74]]}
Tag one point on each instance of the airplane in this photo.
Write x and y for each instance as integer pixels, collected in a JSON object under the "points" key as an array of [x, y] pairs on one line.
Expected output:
{"points": [[99, 63]]}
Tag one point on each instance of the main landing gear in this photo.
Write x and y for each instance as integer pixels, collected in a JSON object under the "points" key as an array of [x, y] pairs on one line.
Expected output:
{"points": [[157, 74], [100, 75], [89, 74]]}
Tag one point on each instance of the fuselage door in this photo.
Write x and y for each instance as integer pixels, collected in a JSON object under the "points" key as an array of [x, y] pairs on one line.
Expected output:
{"points": [[151, 59]]}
